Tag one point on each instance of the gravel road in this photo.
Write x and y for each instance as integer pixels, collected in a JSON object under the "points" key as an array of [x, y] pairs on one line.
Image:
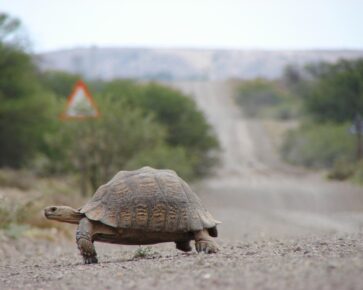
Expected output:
{"points": [[283, 227]]}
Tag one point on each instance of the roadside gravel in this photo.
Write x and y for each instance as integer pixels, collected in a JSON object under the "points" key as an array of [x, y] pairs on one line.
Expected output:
{"points": [[315, 262]]}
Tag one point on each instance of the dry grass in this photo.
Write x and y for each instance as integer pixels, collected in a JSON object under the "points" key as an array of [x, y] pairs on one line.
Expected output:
{"points": [[5, 216], [19, 179], [276, 129], [145, 252], [23, 197]]}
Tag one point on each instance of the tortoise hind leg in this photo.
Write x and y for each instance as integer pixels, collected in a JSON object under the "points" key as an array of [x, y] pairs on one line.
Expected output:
{"points": [[85, 241], [205, 243], [183, 246]]}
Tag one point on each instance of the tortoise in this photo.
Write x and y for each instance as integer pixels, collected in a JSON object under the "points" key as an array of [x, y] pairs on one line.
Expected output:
{"points": [[141, 207]]}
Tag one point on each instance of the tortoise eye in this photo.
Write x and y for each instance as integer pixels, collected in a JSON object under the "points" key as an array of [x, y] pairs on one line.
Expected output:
{"points": [[53, 209]]}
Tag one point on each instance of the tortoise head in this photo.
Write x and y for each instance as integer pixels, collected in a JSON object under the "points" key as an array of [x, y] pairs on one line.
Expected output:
{"points": [[63, 214]]}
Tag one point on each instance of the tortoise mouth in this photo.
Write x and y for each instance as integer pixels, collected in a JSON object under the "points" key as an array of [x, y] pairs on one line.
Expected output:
{"points": [[50, 215]]}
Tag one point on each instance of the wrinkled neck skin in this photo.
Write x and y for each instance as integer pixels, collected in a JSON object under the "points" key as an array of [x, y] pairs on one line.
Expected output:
{"points": [[64, 214]]}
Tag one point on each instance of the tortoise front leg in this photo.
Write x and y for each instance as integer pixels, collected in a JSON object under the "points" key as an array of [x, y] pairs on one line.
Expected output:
{"points": [[205, 243], [85, 241]]}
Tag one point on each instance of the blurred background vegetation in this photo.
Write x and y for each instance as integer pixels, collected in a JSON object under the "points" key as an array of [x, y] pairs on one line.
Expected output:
{"points": [[140, 124], [322, 100], [146, 123]]}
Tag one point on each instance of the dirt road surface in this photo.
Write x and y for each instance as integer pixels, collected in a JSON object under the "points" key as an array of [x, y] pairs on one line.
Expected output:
{"points": [[283, 227]]}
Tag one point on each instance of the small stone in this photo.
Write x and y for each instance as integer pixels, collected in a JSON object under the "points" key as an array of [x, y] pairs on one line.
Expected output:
{"points": [[206, 276], [250, 253], [14, 273]]}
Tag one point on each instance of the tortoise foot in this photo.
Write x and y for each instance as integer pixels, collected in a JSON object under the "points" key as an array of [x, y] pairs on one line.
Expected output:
{"points": [[90, 260], [208, 247], [204, 242]]}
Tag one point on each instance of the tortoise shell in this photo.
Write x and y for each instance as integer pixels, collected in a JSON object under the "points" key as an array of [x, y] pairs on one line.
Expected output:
{"points": [[148, 199]]}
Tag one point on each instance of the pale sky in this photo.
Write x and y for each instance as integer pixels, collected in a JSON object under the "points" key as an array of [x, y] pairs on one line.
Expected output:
{"points": [[236, 24]]}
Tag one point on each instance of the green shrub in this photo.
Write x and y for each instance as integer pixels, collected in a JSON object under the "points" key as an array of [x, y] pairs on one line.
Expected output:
{"points": [[342, 170], [347, 170], [5, 216], [319, 145], [335, 93], [143, 252], [15, 231], [186, 127], [264, 98], [100, 148], [140, 124], [164, 157], [25, 111], [26, 107], [358, 173], [58, 82]]}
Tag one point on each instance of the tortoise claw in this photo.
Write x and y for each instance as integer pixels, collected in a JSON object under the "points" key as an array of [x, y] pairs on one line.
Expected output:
{"points": [[90, 260], [208, 247]]}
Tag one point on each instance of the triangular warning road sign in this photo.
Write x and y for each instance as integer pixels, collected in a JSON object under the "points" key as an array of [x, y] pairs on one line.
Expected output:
{"points": [[80, 104]]}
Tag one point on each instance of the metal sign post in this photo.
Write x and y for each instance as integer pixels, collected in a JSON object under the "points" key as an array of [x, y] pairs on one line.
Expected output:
{"points": [[80, 107]]}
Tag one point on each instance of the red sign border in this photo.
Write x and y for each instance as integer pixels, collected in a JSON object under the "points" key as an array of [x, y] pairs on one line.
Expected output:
{"points": [[80, 85]]}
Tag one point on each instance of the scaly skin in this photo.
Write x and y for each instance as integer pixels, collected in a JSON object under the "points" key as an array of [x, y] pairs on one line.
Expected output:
{"points": [[85, 243]]}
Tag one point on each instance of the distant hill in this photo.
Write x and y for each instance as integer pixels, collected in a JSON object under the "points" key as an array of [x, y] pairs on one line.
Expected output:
{"points": [[185, 64]]}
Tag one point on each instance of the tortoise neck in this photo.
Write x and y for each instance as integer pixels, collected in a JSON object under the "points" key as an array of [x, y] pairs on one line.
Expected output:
{"points": [[74, 216]]}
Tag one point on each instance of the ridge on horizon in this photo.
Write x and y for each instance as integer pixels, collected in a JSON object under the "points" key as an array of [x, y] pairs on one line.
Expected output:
{"points": [[108, 63]]}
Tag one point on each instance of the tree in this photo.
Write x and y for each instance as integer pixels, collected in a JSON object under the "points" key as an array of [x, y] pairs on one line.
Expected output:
{"points": [[186, 126], [121, 139], [336, 93], [8, 27], [292, 76], [59, 82], [25, 107]]}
